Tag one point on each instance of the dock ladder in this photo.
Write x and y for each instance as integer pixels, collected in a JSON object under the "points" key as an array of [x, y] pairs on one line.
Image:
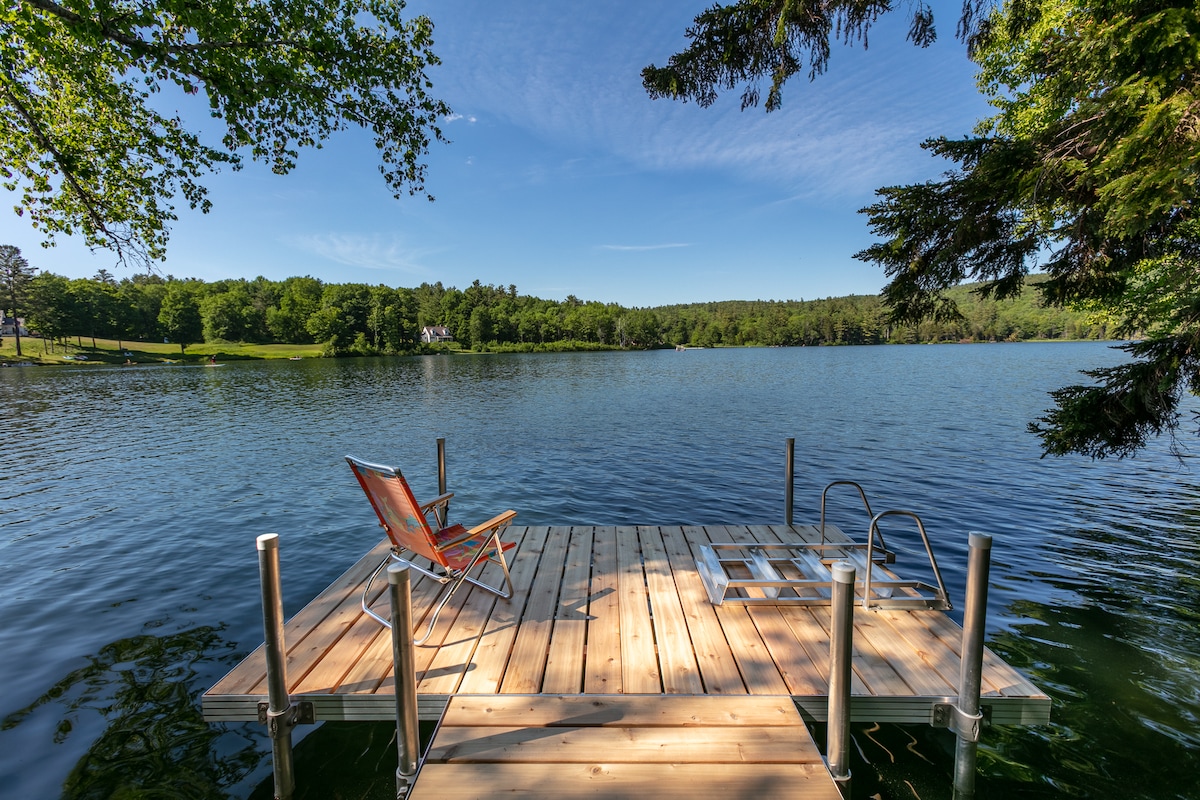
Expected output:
{"points": [[798, 573]]}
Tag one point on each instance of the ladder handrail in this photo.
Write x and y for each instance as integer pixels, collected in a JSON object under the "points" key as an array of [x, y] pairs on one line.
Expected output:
{"points": [[937, 573], [866, 504]]}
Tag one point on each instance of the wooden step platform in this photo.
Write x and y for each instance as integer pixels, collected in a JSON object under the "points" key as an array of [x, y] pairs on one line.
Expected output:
{"points": [[618, 611], [620, 746]]}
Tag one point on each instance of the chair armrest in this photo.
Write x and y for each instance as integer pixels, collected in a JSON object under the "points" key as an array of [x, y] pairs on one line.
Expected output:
{"points": [[499, 521], [493, 526], [440, 500]]}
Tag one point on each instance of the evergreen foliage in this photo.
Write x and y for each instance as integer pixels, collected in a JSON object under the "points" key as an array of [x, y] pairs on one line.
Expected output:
{"points": [[15, 278], [1087, 173]]}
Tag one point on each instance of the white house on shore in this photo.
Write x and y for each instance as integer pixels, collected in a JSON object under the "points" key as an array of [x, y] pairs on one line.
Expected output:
{"points": [[8, 325], [434, 334]]}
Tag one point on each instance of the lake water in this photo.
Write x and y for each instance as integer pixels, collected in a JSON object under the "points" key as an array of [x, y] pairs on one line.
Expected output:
{"points": [[130, 500]]}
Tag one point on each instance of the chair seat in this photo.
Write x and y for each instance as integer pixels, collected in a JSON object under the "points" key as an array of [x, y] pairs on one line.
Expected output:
{"points": [[459, 554]]}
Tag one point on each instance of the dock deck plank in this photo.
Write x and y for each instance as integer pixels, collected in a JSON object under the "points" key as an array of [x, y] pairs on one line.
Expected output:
{"points": [[565, 658], [673, 746], [718, 668], [610, 611], [680, 673], [492, 655], [527, 662], [639, 658], [602, 660]]}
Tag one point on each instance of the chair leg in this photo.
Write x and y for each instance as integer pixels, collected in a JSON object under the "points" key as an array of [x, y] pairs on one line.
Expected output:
{"points": [[499, 559], [465, 578], [504, 566], [367, 590], [384, 621], [446, 595]]}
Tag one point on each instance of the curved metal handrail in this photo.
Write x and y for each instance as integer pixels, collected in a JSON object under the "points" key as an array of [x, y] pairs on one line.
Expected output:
{"points": [[937, 573], [867, 505]]}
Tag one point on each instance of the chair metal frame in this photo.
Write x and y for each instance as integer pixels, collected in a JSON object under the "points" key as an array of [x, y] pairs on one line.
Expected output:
{"points": [[452, 551]]}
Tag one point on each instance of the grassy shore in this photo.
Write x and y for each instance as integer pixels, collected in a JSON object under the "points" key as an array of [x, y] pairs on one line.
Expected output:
{"points": [[80, 352]]}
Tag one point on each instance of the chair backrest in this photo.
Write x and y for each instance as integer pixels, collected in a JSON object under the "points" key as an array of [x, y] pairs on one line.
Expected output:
{"points": [[398, 510]]}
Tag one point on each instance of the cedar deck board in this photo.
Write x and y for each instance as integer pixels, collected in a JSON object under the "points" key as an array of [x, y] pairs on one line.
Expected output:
{"points": [[680, 674], [623, 781], [527, 662], [718, 668], [495, 647], [571, 629], [639, 657], [673, 746], [564, 661]]}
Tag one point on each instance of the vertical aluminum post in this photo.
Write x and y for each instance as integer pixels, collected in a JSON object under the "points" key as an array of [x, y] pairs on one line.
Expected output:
{"points": [[841, 638], [441, 445], [441, 450], [404, 668], [280, 714], [974, 621], [789, 480]]}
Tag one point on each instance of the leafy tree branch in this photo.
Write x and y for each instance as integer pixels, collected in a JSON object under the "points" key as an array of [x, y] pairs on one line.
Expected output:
{"points": [[85, 142]]}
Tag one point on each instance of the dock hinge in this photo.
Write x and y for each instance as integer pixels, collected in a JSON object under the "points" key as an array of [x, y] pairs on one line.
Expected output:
{"points": [[966, 726], [299, 713]]}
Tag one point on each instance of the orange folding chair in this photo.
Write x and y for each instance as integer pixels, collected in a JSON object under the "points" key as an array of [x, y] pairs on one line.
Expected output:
{"points": [[452, 551]]}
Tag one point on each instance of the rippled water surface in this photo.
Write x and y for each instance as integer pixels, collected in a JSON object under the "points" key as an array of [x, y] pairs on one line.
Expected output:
{"points": [[130, 499]]}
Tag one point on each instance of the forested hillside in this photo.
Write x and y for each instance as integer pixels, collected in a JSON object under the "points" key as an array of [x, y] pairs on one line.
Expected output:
{"points": [[359, 319]]}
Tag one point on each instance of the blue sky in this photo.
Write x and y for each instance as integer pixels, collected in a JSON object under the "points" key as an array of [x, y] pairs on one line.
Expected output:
{"points": [[563, 177]]}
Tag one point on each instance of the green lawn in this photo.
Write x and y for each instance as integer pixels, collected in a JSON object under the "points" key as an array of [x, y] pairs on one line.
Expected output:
{"points": [[109, 351]]}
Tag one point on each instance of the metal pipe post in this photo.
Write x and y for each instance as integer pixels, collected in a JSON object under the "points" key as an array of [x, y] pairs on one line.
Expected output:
{"points": [[404, 666], [441, 450], [441, 447], [974, 622], [789, 481], [279, 706], [841, 638]]}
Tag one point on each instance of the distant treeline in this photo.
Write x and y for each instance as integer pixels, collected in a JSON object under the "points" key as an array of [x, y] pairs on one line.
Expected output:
{"points": [[359, 319]]}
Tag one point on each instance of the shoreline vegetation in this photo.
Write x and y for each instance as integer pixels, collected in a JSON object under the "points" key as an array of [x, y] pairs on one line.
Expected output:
{"points": [[110, 352], [144, 320]]}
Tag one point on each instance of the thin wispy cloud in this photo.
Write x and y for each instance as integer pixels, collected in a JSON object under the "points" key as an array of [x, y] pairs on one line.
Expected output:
{"points": [[841, 134], [375, 251], [641, 247]]}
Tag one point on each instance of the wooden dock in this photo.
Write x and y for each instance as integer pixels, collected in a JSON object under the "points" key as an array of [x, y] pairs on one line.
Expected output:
{"points": [[677, 747], [618, 611]]}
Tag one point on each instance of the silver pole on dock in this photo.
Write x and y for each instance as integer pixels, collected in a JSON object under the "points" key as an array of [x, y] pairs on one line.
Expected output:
{"points": [[971, 670], [280, 715], [404, 669], [841, 639], [441, 450], [789, 481]]}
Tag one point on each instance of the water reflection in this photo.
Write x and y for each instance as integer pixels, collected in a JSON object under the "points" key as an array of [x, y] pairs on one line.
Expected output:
{"points": [[154, 742], [346, 760], [1119, 656]]}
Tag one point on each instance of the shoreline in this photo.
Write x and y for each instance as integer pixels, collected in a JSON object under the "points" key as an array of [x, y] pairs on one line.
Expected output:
{"points": [[84, 356]]}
